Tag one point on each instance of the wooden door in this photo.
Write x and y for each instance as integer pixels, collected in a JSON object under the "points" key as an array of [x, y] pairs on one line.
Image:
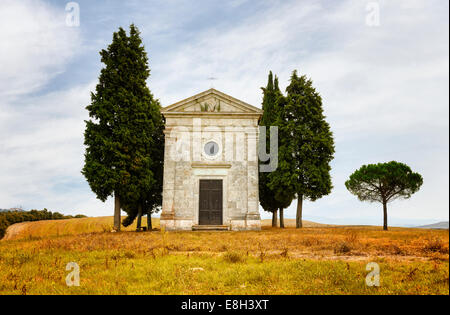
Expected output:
{"points": [[210, 202]]}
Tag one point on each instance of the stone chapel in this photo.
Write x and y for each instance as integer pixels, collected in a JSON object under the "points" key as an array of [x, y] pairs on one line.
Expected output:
{"points": [[211, 164]]}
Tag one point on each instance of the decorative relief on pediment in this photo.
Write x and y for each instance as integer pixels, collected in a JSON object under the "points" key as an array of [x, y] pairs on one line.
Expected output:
{"points": [[211, 101], [210, 106]]}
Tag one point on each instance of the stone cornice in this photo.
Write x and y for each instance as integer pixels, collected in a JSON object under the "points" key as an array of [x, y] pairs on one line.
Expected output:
{"points": [[210, 165], [249, 130], [215, 115]]}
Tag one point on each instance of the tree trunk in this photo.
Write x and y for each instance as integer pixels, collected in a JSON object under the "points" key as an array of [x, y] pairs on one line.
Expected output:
{"points": [[149, 221], [139, 217], [281, 218], [116, 213], [299, 219], [385, 219], [274, 218]]}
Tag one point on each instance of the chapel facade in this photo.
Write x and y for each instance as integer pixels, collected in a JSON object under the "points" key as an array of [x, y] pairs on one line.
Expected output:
{"points": [[211, 164]]}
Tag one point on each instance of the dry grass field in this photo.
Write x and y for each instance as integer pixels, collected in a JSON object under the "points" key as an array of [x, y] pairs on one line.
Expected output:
{"points": [[44, 229], [318, 259], [39, 229]]}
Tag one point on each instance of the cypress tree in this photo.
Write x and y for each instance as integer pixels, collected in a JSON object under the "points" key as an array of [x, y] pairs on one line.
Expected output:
{"points": [[266, 197], [123, 137], [309, 145], [274, 197]]}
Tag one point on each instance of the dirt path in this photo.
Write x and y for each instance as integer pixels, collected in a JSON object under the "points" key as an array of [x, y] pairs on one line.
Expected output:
{"points": [[314, 256], [13, 230]]}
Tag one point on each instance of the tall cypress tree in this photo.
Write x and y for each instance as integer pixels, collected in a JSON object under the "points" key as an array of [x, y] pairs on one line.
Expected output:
{"points": [[123, 136], [274, 197], [266, 196], [310, 146]]}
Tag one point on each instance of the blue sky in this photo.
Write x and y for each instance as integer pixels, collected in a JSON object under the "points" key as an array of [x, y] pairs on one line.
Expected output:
{"points": [[385, 87]]}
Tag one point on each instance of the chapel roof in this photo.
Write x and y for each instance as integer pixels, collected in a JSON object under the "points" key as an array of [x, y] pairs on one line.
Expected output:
{"points": [[211, 101]]}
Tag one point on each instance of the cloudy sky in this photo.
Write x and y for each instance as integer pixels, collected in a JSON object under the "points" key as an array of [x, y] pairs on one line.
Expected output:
{"points": [[384, 85]]}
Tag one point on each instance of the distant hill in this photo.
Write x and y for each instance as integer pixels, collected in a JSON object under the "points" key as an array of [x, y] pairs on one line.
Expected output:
{"points": [[438, 226], [291, 223]]}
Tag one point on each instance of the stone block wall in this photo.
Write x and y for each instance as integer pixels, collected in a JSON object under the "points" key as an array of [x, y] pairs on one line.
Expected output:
{"points": [[236, 164]]}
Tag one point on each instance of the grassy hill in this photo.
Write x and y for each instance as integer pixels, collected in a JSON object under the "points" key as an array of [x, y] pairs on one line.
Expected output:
{"points": [[313, 260], [50, 228], [316, 260], [40, 229]]}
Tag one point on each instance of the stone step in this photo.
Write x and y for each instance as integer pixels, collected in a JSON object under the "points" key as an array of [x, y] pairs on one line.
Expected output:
{"points": [[210, 228]]}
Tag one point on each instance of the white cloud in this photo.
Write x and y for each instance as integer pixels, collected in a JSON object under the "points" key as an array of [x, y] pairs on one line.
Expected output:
{"points": [[385, 89], [239, 55], [40, 136], [36, 44], [42, 154]]}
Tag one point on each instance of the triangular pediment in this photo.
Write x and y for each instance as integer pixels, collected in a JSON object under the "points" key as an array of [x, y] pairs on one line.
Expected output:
{"points": [[211, 101]]}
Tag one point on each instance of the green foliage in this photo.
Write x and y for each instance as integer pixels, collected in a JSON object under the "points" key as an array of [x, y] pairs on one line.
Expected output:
{"points": [[307, 144], [8, 218], [384, 182], [124, 136], [273, 197], [305, 148], [266, 197]]}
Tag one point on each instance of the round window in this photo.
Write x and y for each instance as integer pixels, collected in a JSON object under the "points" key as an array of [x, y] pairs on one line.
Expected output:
{"points": [[211, 148]]}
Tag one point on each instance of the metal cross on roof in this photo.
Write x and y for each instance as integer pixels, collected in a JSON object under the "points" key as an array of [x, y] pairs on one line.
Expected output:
{"points": [[212, 79]]}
